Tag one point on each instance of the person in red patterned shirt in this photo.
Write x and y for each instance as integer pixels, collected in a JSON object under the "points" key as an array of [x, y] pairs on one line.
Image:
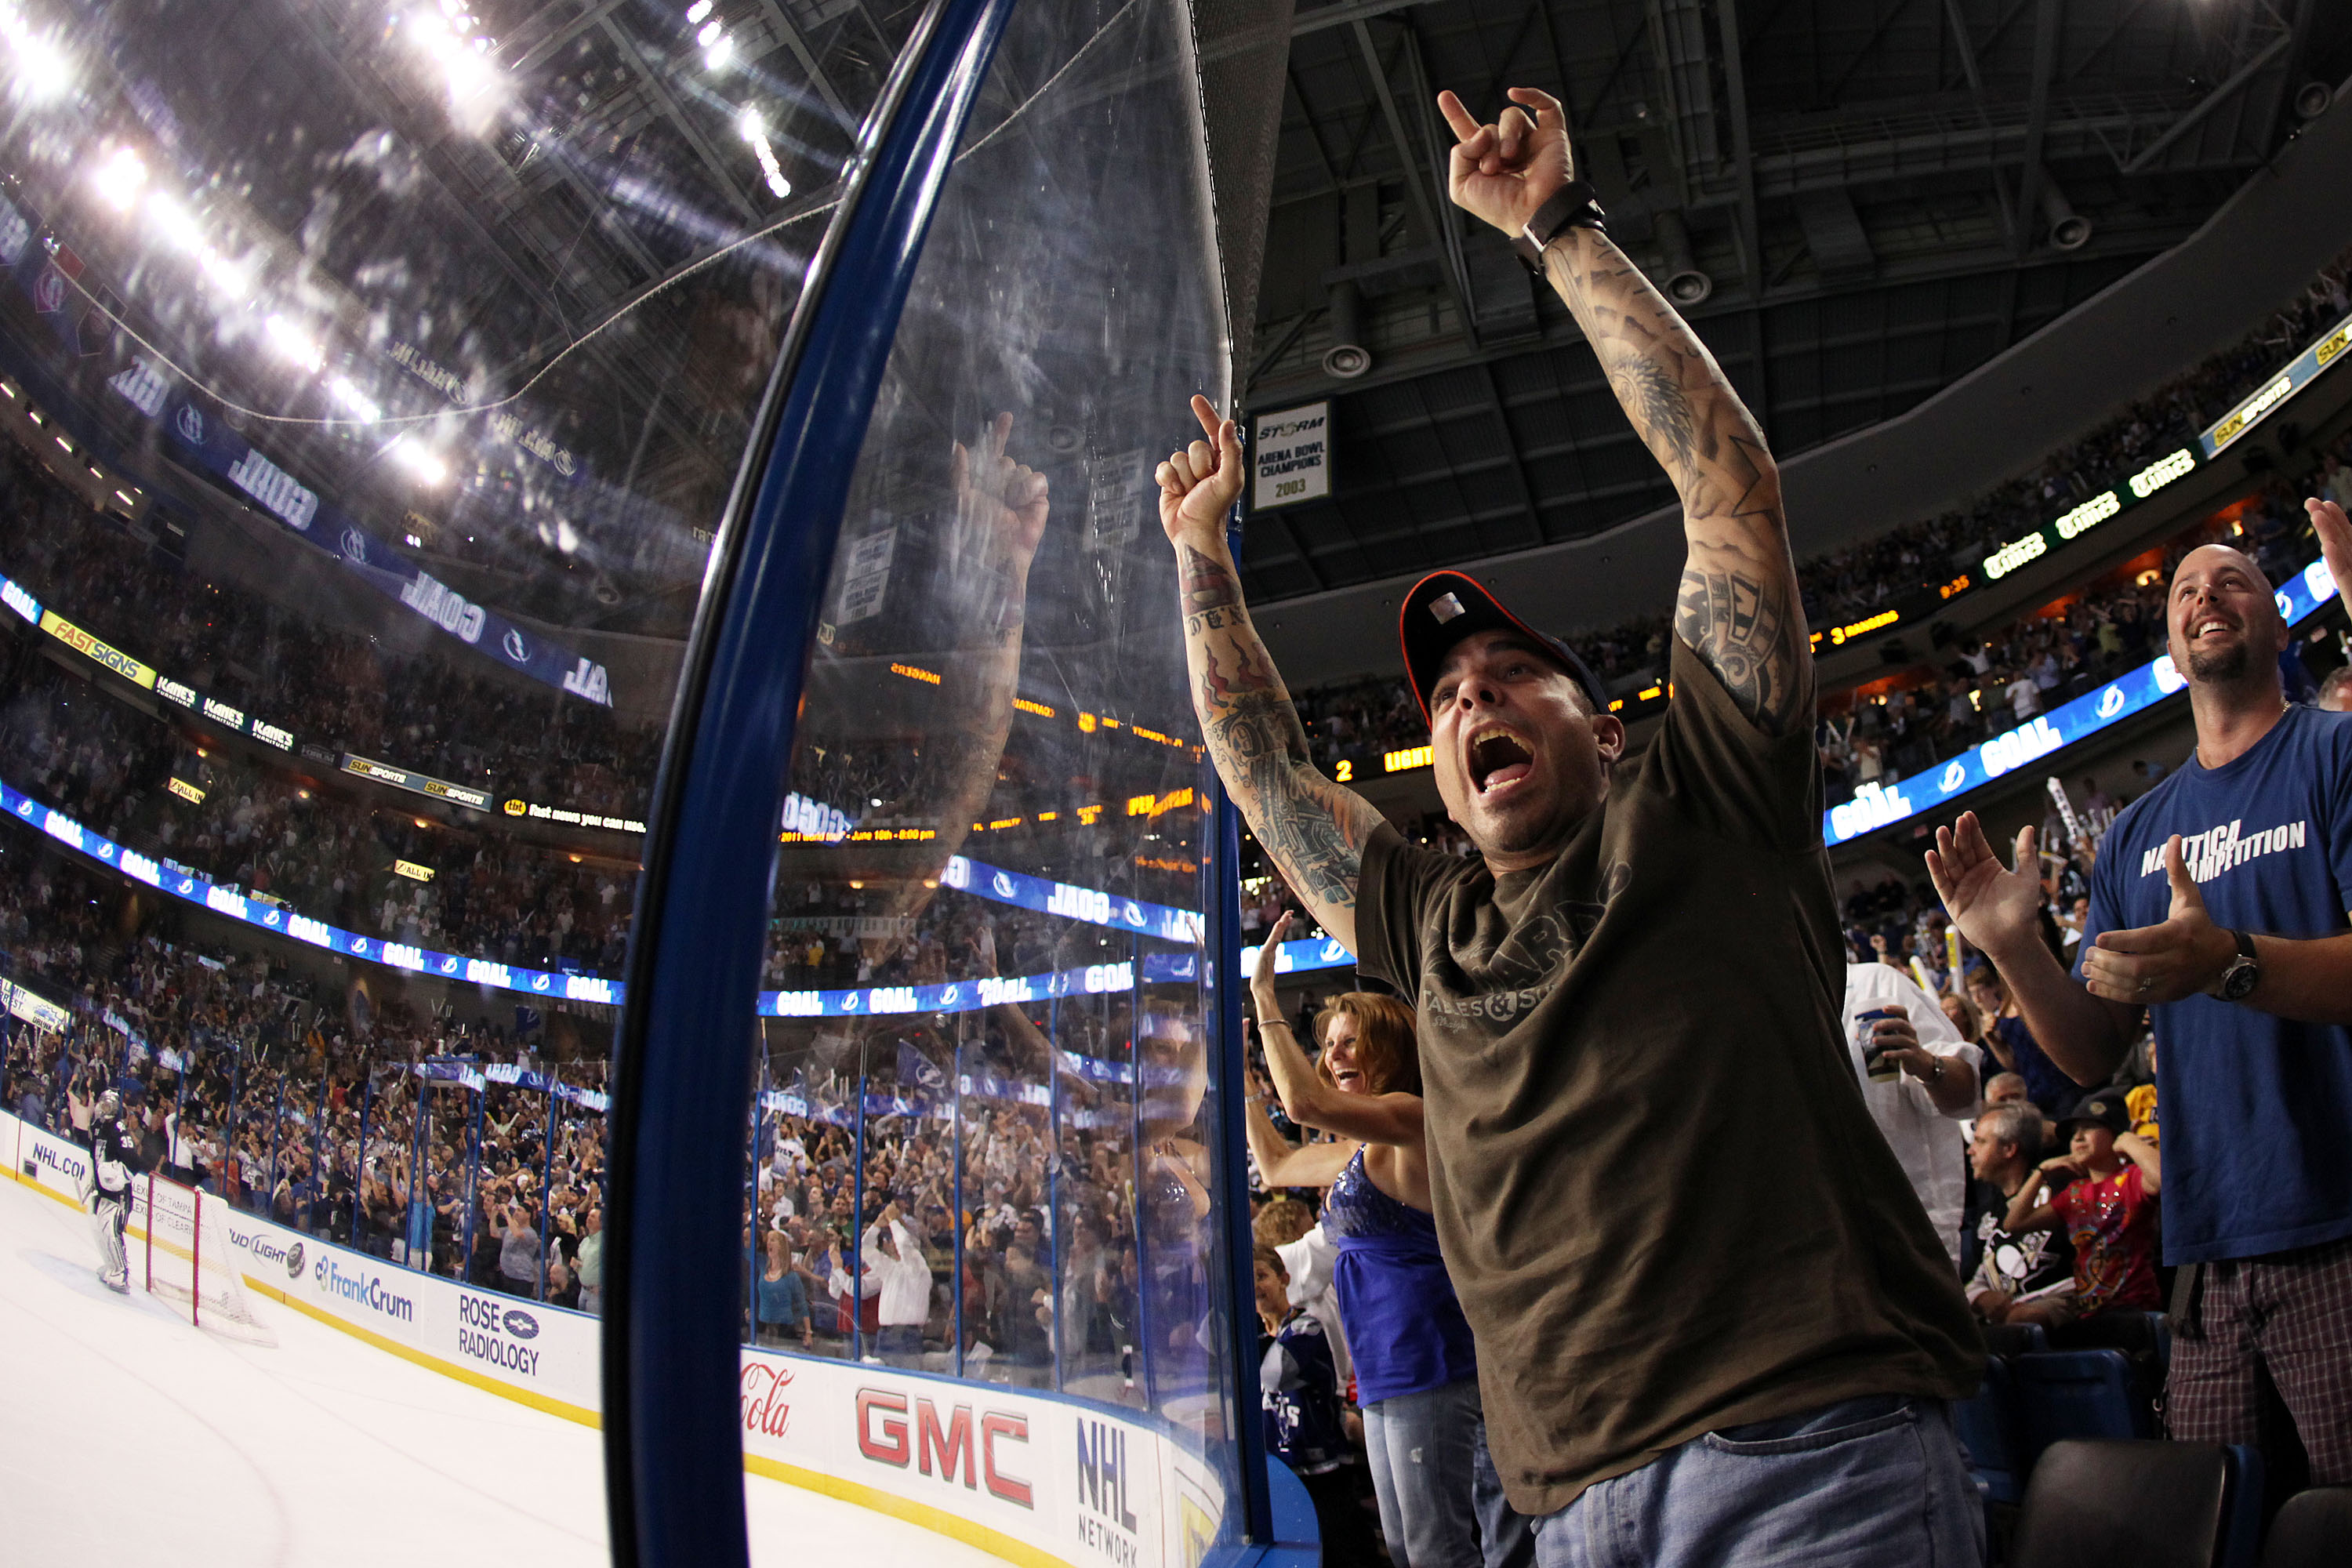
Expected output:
{"points": [[2109, 1210]]}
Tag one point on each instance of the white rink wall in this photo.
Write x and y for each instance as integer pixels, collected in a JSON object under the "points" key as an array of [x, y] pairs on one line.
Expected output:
{"points": [[1026, 1477]]}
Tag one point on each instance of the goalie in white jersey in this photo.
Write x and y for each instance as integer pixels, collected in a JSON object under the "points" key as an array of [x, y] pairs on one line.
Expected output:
{"points": [[114, 1159]]}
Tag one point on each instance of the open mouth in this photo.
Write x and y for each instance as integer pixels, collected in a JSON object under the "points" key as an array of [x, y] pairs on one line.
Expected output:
{"points": [[1499, 759], [2199, 629], [1347, 1079]]}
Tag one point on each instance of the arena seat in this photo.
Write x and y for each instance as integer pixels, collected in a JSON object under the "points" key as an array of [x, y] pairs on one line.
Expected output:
{"points": [[2313, 1530], [2079, 1394], [2015, 1339], [1987, 1426], [2151, 1505]]}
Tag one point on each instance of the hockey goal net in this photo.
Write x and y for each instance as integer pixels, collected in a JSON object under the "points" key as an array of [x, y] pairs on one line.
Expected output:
{"points": [[192, 1262]]}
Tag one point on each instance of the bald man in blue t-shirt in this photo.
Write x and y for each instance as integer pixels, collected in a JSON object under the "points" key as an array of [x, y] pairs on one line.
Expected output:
{"points": [[2222, 906]]}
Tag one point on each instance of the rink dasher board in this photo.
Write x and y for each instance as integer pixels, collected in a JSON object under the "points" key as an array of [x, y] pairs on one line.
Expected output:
{"points": [[1030, 1477]]}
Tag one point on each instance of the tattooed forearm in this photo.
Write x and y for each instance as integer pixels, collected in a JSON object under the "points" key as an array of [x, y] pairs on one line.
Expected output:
{"points": [[1740, 626], [1314, 829], [1739, 596]]}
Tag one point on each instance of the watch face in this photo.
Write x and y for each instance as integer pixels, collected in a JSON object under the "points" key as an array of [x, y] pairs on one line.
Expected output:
{"points": [[2239, 983]]}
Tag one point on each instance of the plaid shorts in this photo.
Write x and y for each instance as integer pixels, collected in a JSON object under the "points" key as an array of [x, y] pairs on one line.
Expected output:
{"points": [[2289, 1313]]}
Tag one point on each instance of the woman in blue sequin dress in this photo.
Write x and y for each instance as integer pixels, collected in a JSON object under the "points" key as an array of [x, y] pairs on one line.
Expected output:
{"points": [[1416, 1371]]}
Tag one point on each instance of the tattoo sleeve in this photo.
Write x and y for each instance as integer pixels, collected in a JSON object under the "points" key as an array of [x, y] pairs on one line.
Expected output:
{"points": [[1737, 607], [1315, 829]]}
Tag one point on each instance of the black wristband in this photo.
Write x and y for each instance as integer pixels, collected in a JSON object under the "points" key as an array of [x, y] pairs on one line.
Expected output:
{"points": [[1574, 205]]}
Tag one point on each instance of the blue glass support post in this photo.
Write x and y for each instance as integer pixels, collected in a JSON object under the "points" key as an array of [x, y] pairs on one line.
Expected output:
{"points": [[277, 1138], [179, 1099], [1145, 1355], [1221, 904], [359, 1170], [1053, 1179], [546, 1180], [673, 1453], [232, 1168], [415, 1220], [752, 1239], [955, 1217], [314, 1209], [473, 1176], [857, 1219]]}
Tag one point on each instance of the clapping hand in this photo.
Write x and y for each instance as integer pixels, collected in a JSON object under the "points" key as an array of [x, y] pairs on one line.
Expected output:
{"points": [[1993, 905], [2182, 956]]}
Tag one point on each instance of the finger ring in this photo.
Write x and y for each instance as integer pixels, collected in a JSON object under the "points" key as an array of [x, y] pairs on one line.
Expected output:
{"points": [[2146, 986]]}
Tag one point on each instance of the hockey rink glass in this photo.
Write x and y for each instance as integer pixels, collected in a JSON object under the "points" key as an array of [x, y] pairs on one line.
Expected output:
{"points": [[373, 383], [984, 1136]]}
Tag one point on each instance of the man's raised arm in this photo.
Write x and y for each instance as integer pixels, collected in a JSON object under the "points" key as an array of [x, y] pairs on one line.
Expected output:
{"points": [[1314, 828], [1737, 607]]}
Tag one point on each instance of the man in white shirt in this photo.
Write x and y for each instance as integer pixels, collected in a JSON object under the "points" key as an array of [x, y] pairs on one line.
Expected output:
{"points": [[1935, 1085], [2024, 697], [896, 1271]]}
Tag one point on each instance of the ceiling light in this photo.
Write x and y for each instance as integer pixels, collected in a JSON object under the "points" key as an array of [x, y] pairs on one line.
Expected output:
{"points": [[718, 53], [349, 395], [40, 67], [121, 178], [294, 344], [419, 460], [697, 11]]}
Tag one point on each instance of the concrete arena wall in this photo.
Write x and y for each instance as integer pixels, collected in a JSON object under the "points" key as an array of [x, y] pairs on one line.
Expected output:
{"points": [[1031, 1478]]}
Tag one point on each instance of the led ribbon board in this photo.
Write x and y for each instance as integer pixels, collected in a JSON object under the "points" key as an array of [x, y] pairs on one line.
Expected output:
{"points": [[2267, 399], [2089, 514], [1873, 806]]}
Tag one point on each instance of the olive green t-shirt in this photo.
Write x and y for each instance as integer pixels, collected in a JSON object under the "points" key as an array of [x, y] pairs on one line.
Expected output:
{"points": [[1660, 1194]]}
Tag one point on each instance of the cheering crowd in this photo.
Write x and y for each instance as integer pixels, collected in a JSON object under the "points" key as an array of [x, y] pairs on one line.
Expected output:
{"points": [[1578, 1049], [1378, 714]]}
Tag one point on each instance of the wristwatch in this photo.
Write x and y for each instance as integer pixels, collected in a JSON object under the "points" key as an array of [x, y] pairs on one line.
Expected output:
{"points": [[2242, 974], [1575, 205]]}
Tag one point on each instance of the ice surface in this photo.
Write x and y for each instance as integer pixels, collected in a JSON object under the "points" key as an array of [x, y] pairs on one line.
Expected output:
{"points": [[126, 1435]]}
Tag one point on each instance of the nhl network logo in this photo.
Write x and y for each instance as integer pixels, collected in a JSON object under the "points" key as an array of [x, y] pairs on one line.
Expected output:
{"points": [[294, 1261]]}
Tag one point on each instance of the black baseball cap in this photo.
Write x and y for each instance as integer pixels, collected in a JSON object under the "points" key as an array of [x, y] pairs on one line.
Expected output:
{"points": [[1447, 606], [2101, 1107]]}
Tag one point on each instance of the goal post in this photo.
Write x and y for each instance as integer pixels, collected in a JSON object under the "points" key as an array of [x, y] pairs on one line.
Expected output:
{"points": [[192, 1262]]}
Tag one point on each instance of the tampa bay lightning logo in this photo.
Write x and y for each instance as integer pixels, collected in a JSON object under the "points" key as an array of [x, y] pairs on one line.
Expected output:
{"points": [[25, 809], [50, 293], [192, 424], [1059, 986], [358, 947], [105, 850], [1954, 777], [273, 917], [538, 982], [517, 649], [2111, 702], [449, 963], [187, 886], [1003, 884], [1333, 953], [356, 546], [949, 995], [849, 1002], [1134, 914]]}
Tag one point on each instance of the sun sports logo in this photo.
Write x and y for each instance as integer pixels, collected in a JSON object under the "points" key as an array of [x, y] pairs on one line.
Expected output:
{"points": [[492, 1331], [2219, 849], [362, 1289]]}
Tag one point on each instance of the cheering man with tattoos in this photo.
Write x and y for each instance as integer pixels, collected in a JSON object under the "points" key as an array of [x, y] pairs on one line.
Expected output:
{"points": [[1714, 1324]]}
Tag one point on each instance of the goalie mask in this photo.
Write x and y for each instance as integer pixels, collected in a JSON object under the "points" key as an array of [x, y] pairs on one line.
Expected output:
{"points": [[108, 1107]]}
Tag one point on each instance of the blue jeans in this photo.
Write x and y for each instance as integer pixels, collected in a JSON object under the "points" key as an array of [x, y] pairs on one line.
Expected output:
{"points": [[1876, 1482], [1440, 1498], [897, 1339]]}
